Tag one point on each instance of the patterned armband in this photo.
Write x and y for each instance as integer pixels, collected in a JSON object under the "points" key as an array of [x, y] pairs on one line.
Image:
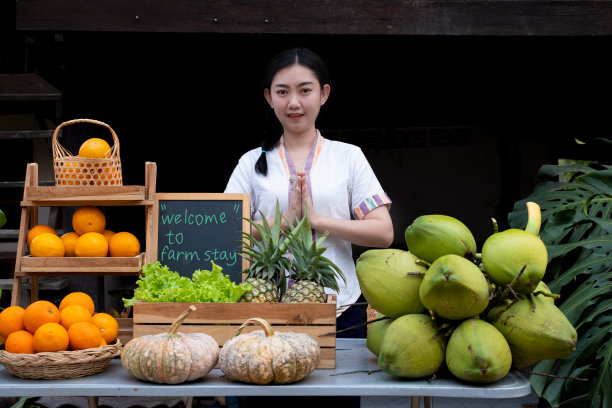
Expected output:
{"points": [[370, 203]]}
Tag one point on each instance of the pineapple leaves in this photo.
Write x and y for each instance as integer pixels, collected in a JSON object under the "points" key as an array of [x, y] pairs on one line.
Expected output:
{"points": [[266, 257], [308, 260], [292, 250], [577, 231]]}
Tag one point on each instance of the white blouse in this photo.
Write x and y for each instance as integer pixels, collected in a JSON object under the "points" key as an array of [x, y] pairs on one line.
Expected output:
{"points": [[340, 181]]}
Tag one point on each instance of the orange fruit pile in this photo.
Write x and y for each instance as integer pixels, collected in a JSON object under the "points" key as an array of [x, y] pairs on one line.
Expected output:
{"points": [[44, 327], [90, 238]]}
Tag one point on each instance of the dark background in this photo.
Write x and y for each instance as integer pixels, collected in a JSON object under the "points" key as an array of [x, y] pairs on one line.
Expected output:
{"points": [[456, 125], [193, 103]]}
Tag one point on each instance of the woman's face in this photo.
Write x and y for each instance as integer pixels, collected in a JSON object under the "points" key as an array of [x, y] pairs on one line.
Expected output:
{"points": [[296, 97]]}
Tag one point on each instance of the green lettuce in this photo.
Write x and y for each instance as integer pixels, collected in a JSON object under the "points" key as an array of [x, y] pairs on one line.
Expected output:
{"points": [[158, 283]]}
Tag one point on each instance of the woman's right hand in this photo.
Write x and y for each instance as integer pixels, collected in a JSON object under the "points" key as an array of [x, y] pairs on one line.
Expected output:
{"points": [[294, 213]]}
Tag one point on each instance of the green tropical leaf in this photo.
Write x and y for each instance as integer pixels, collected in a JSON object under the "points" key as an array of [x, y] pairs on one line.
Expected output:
{"points": [[549, 170], [577, 230]]}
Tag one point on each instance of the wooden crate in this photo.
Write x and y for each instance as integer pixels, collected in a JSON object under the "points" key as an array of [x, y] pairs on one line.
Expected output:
{"points": [[221, 320], [126, 329]]}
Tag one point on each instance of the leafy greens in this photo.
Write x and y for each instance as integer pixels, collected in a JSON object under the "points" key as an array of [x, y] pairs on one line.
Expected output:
{"points": [[158, 283]]}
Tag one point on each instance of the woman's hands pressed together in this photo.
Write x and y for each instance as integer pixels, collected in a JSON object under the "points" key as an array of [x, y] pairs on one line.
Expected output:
{"points": [[299, 200], [374, 230]]}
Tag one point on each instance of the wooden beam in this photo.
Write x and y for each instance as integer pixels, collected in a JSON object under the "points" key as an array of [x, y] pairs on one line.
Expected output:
{"points": [[342, 17], [27, 88], [25, 134]]}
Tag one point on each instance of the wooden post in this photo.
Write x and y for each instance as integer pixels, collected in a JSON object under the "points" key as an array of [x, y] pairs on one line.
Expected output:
{"points": [[150, 188], [29, 216]]}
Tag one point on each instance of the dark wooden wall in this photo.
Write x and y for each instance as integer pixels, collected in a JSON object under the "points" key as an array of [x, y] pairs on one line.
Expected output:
{"points": [[329, 17]]}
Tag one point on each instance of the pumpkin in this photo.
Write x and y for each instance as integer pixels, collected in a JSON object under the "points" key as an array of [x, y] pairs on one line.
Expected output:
{"points": [[265, 356], [172, 357]]}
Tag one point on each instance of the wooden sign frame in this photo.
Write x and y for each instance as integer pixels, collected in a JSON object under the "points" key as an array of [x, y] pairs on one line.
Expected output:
{"points": [[246, 213]]}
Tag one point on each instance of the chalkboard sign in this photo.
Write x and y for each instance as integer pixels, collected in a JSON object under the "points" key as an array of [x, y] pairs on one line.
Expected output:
{"points": [[193, 229]]}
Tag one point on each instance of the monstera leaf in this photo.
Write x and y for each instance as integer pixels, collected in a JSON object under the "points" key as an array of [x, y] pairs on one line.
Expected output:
{"points": [[577, 230]]}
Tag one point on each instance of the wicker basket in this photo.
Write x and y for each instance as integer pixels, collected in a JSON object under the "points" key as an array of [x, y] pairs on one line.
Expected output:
{"points": [[61, 364], [81, 171]]}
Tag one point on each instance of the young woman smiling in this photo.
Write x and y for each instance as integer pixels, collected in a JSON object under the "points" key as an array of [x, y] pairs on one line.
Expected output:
{"points": [[301, 169]]}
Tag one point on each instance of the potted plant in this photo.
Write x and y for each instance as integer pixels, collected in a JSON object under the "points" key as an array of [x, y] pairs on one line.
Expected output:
{"points": [[576, 203]]}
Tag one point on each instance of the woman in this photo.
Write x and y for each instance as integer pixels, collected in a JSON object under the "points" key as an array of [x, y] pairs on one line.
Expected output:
{"points": [[301, 169]]}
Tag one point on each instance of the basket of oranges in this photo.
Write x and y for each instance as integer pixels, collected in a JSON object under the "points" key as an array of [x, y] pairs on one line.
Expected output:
{"points": [[44, 341], [97, 164]]}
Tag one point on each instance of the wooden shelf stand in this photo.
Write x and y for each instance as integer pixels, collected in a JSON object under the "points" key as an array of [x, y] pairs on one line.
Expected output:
{"points": [[35, 195]]}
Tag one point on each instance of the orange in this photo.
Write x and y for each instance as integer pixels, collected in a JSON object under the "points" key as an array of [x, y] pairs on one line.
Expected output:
{"points": [[123, 244], [84, 335], [103, 343], [11, 320], [37, 230], [108, 325], [39, 313], [88, 219], [78, 298], [72, 314], [47, 244], [91, 244], [108, 234], [95, 148], [51, 337], [20, 341], [69, 240]]}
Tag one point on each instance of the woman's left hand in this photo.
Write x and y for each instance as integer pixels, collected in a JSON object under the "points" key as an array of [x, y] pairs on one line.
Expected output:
{"points": [[307, 200]]}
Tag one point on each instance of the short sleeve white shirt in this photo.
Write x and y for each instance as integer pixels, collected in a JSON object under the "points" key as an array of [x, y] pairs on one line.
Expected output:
{"points": [[341, 183]]}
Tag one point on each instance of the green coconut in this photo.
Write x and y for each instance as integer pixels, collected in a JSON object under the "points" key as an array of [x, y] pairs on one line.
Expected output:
{"points": [[454, 288], [412, 347], [376, 333], [390, 280], [517, 257], [535, 329], [478, 352], [432, 236]]}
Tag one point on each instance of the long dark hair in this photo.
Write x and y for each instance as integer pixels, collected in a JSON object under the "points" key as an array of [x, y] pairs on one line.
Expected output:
{"points": [[294, 56]]}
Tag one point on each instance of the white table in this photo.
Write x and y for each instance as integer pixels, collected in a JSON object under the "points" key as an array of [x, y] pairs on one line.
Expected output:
{"points": [[355, 374]]}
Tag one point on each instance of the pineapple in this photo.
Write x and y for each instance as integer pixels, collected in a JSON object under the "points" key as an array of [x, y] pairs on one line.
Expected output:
{"points": [[268, 259], [263, 291], [312, 272]]}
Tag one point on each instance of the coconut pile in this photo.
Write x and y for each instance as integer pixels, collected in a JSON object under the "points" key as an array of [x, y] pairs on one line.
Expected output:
{"points": [[443, 304]]}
